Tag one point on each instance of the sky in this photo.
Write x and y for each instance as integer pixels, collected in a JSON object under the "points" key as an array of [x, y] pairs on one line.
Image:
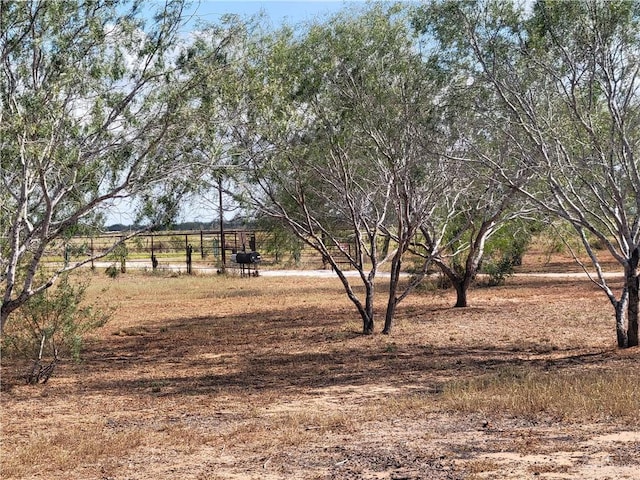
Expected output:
{"points": [[279, 12]]}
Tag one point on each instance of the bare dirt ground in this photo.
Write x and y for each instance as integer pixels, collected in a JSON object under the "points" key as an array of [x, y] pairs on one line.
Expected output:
{"points": [[269, 378]]}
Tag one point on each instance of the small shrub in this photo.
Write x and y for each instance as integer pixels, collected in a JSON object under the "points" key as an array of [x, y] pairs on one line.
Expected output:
{"points": [[498, 270], [112, 271], [50, 326], [119, 255]]}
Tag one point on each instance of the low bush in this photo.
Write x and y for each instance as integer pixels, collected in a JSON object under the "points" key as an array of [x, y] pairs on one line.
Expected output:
{"points": [[51, 326]]}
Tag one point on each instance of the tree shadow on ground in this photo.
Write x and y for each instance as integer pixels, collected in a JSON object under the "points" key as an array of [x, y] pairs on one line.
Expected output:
{"points": [[294, 352]]}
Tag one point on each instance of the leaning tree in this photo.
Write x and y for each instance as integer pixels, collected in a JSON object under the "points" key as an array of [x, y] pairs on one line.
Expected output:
{"points": [[94, 109]]}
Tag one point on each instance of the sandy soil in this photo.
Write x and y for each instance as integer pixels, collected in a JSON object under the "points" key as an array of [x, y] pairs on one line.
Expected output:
{"points": [[269, 378]]}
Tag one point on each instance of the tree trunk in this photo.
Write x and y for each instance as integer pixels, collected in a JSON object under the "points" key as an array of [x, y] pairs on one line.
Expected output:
{"points": [[366, 310], [6, 309], [367, 326], [388, 319], [393, 290], [621, 331], [460, 282], [632, 280], [4, 315], [461, 293], [632, 314], [367, 314]]}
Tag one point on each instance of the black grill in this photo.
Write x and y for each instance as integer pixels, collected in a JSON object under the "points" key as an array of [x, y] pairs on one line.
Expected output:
{"points": [[247, 257]]}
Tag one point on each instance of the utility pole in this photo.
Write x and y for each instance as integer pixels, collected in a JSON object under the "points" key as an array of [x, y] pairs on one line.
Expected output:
{"points": [[223, 256]]}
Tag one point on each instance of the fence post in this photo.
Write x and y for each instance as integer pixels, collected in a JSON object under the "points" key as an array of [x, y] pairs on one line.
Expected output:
{"points": [[123, 255], [189, 251], [154, 260], [223, 254]]}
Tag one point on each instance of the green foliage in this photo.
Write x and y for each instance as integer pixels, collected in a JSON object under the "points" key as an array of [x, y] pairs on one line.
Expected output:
{"points": [[119, 254], [279, 241], [498, 270], [112, 271], [51, 326], [505, 249], [512, 240], [94, 108]]}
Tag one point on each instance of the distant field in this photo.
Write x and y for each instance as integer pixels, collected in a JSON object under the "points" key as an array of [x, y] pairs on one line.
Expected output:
{"points": [[209, 377]]}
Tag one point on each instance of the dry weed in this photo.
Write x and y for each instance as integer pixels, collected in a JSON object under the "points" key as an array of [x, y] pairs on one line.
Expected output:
{"points": [[66, 449], [482, 466], [580, 395]]}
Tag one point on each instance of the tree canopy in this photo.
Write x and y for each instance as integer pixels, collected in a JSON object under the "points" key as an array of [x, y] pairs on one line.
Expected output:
{"points": [[93, 108], [565, 78]]}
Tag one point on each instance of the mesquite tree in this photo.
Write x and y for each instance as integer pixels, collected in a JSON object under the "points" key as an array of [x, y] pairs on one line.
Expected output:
{"points": [[567, 79], [306, 168], [392, 99], [352, 130], [338, 119], [477, 205], [93, 109], [474, 204]]}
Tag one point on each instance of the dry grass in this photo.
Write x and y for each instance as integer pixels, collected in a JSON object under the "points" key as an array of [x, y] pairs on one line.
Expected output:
{"points": [[66, 449], [482, 466], [591, 395], [215, 377]]}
